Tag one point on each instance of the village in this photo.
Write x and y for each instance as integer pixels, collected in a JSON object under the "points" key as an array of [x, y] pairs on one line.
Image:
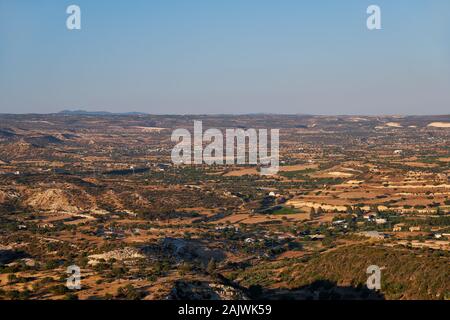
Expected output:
{"points": [[103, 194]]}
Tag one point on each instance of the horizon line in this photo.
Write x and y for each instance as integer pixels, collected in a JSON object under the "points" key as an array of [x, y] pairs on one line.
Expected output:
{"points": [[138, 113]]}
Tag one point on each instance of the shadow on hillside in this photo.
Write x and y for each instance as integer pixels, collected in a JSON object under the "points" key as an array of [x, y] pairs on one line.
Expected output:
{"points": [[318, 290], [8, 256]]}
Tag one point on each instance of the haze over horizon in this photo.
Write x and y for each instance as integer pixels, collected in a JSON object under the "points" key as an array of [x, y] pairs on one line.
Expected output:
{"points": [[106, 112], [233, 57]]}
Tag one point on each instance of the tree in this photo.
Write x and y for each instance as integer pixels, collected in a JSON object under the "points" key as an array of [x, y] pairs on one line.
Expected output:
{"points": [[312, 213], [59, 289], [319, 211], [71, 296], [358, 211], [212, 266], [12, 278], [185, 268], [129, 293]]}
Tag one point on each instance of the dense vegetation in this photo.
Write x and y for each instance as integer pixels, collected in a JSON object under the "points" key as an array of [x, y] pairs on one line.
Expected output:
{"points": [[406, 274]]}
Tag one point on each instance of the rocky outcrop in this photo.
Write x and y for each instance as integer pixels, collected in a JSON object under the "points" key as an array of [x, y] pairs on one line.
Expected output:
{"points": [[186, 250], [202, 290], [119, 255]]}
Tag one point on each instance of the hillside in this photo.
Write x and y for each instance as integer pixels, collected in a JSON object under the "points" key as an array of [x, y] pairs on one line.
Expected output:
{"points": [[406, 274]]}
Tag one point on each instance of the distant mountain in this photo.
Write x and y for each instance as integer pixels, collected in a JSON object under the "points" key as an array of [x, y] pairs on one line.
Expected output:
{"points": [[97, 113]]}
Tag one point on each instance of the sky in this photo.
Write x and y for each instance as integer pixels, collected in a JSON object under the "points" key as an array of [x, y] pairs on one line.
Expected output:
{"points": [[226, 57]]}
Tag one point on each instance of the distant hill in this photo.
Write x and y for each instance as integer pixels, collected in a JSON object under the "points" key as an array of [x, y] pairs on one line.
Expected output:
{"points": [[7, 133], [97, 113]]}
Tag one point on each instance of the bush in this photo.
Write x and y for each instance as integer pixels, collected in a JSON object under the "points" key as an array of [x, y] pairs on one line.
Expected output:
{"points": [[212, 266], [71, 296], [129, 293], [59, 289]]}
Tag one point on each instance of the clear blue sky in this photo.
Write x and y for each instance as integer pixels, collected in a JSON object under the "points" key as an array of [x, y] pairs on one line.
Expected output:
{"points": [[226, 56]]}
